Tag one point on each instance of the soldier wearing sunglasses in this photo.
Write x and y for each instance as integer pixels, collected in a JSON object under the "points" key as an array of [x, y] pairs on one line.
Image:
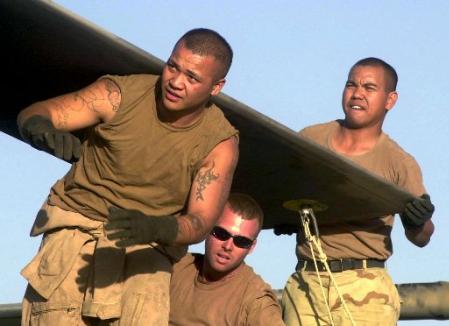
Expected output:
{"points": [[218, 288]]}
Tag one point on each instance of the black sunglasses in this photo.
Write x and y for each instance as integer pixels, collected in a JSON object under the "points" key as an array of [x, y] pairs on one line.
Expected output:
{"points": [[239, 241]]}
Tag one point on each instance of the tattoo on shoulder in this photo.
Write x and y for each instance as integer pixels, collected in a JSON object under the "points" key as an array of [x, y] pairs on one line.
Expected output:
{"points": [[88, 100], [204, 179], [113, 94], [93, 99]]}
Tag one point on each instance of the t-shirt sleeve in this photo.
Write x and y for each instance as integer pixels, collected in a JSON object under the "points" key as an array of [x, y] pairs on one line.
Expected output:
{"points": [[264, 310], [410, 177]]}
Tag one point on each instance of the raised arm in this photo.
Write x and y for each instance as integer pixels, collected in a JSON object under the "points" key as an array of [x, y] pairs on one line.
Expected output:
{"points": [[46, 125], [208, 195]]}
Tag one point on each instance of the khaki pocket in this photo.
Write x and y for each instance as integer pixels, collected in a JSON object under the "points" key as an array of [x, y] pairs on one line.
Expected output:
{"points": [[50, 314]]}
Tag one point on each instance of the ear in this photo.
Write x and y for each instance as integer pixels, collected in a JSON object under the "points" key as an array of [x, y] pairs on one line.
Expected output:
{"points": [[217, 87], [253, 246], [392, 97]]}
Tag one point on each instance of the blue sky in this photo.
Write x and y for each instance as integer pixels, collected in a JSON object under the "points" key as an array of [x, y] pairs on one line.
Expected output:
{"points": [[291, 62]]}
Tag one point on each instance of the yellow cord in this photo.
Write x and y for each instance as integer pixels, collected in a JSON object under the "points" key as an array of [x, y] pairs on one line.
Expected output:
{"points": [[309, 237], [313, 240]]}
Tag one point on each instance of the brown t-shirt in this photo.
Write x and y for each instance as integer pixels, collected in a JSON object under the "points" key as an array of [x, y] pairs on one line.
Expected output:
{"points": [[366, 238], [135, 161], [242, 298]]}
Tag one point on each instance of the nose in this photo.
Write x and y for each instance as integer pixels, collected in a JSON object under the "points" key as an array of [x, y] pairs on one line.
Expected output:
{"points": [[176, 82], [228, 244], [357, 93]]}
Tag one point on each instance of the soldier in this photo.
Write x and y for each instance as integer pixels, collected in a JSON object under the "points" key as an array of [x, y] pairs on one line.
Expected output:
{"points": [[218, 288], [357, 251], [157, 165]]}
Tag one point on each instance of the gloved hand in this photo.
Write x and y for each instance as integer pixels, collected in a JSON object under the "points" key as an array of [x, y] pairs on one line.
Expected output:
{"points": [[417, 212], [38, 131], [130, 227], [288, 229]]}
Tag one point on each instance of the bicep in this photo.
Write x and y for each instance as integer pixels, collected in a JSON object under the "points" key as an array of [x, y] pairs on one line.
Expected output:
{"points": [[213, 180], [93, 104]]}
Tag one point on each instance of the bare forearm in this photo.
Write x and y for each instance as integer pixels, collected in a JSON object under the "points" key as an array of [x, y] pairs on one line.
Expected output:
{"points": [[38, 108], [420, 236], [191, 229]]}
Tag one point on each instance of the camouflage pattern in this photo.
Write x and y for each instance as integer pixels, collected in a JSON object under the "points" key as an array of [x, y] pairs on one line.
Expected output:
{"points": [[370, 296]]}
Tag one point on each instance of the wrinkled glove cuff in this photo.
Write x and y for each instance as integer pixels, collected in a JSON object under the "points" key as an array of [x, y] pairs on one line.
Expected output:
{"points": [[161, 229], [409, 223], [32, 125]]}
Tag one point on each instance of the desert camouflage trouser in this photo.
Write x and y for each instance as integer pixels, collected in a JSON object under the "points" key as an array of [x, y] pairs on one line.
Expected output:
{"points": [[369, 294]]}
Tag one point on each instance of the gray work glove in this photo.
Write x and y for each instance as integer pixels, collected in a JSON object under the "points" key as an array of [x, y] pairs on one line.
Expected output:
{"points": [[130, 227], [38, 131], [417, 212]]}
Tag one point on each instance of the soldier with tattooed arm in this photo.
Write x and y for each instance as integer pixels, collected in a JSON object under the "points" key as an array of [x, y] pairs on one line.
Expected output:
{"points": [[151, 177]]}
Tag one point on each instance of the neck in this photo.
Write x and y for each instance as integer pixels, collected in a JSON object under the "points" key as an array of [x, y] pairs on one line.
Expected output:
{"points": [[179, 119], [352, 141]]}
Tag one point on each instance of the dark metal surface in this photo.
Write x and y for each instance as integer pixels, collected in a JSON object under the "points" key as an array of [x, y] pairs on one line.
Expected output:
{"points": [[48, 51], [10, 314], [424, 300]]}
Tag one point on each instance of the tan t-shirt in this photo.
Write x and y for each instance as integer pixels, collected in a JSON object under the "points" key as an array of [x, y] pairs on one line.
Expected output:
{"points": [[243, 298], [135, 161], [366, 238]]}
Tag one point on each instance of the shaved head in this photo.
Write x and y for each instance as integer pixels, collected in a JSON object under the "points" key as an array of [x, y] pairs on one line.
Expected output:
{"points": [[207, 42], [390, 73]]}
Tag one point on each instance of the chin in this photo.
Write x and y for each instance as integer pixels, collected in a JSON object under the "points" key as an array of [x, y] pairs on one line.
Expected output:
{"points": [[222, 268], [353, 124], [171, 106]]}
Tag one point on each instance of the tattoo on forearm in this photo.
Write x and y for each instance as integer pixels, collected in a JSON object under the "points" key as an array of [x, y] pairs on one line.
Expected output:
{"points": [[89, 100], [204, 179], [62, 115]]}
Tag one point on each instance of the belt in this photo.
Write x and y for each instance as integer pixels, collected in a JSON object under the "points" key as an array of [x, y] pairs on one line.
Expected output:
{"points": [[341, 265]]}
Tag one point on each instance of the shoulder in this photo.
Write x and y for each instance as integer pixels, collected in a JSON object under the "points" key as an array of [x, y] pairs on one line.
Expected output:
{"points": [[407, 172], [136, 81], [257, 287], [318, 129], [397, 153], [219, 137], [216, 120], [189, 261], [319, 133]]}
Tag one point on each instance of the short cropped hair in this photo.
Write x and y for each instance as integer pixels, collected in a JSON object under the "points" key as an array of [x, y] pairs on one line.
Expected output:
{"points": [[390, 72], [246, 206], [205, 42]]}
